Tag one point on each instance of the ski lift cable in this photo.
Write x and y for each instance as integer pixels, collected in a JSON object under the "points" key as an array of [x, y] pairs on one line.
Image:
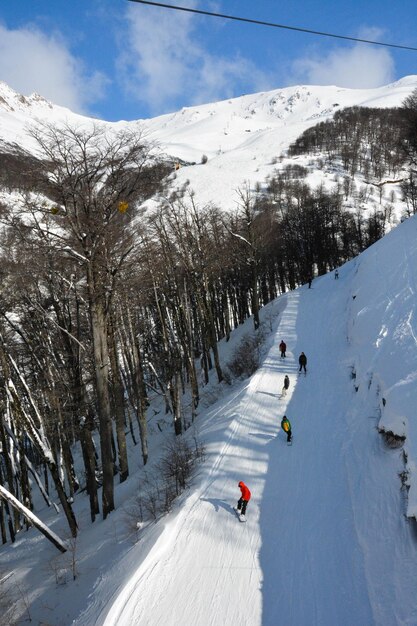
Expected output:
{"points": [[272, 24]]}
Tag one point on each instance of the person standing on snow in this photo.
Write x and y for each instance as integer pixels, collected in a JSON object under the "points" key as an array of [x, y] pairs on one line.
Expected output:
{"points": [[283, 348], [302, 360], [286, 385], [242, 503], [336, 274], [286, 427]]}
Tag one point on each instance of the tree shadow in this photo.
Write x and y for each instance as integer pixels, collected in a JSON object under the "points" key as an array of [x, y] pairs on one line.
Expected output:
{"points": [[263, 435]]}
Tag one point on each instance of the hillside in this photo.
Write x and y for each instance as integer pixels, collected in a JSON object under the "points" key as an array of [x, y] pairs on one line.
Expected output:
{"points": [[327, 540], [241, 137], [128, 335]]}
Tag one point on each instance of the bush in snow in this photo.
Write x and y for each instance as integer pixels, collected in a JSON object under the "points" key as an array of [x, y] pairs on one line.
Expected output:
{"points": [[133, 517], [156, 496], [204, 159], [246, 359], [391, 439], [176, 466], [152, 498]]}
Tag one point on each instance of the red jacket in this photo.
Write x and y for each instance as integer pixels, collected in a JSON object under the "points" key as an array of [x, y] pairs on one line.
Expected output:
{"points": [[282, 346], [245, 491]]}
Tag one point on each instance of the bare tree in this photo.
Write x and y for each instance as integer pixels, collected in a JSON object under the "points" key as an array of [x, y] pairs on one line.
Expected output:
{"points": [[96, 178]]}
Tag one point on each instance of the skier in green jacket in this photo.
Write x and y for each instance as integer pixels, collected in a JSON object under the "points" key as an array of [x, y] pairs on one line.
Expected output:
{"points": [[286, 427]]}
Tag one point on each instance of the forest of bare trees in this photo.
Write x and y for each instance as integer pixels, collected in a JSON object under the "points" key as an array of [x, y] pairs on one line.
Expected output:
{"points": [[103, 305]]}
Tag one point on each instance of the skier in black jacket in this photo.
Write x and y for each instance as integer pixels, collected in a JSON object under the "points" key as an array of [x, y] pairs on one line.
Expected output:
{"points": [[302, 360], [286, 385]]}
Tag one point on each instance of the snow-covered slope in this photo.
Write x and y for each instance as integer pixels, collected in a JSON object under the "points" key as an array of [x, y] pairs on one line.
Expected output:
{"points": [[327, 541], [241, 137]]}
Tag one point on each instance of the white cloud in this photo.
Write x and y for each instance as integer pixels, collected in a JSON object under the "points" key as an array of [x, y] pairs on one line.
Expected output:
{"points": [[162, 59], [357, 66], [32, 61]]}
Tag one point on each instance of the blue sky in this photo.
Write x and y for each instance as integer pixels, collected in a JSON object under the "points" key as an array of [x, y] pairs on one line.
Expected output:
{"points": [[116, 59]]}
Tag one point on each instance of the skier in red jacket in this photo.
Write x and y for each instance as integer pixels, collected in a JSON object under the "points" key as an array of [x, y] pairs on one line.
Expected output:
{"points": [[244, 499], [283, 348]]}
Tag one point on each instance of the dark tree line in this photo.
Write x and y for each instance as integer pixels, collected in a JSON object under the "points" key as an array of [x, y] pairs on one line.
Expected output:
{"points": [[377, 143], [366, 140], [103, 306]]}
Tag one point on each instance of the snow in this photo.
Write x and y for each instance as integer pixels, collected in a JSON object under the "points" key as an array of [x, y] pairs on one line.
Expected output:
{"points": [[243, 137], [326, 542], [330, 537], [327, 539]]}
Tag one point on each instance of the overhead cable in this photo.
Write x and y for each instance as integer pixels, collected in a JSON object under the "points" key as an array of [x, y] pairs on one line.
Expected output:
{"points": [[272, 24]]}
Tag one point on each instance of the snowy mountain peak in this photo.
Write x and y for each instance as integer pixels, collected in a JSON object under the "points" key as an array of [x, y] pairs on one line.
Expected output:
{"points": [[11, 100], [243, 137], [296, 103], [36, 98]]}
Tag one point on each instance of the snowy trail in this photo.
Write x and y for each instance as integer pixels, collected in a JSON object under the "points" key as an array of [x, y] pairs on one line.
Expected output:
{"points": [[318, 576], [209, 553], [309, 554], [258, 572]]}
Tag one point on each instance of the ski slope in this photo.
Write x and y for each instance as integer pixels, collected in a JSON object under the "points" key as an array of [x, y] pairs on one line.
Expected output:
{"points": [[326, 540]]}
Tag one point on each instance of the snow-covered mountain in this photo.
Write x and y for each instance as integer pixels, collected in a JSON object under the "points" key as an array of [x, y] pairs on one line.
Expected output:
{"points": [[241, 137], [330, 538]]}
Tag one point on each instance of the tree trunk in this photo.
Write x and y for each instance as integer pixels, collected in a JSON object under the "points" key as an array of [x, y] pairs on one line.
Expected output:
{"points": [[34, 431], [32, 519], [255, 295], [101, 366], [2, 524], [138, 384], [9, 469], [212, 336], [174, 391], [5, 512], [118, 400], [89, 456]]}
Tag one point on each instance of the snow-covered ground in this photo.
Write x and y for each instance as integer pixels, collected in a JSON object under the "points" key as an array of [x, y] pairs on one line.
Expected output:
{"points": [[327, 540], [243, 137]]}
